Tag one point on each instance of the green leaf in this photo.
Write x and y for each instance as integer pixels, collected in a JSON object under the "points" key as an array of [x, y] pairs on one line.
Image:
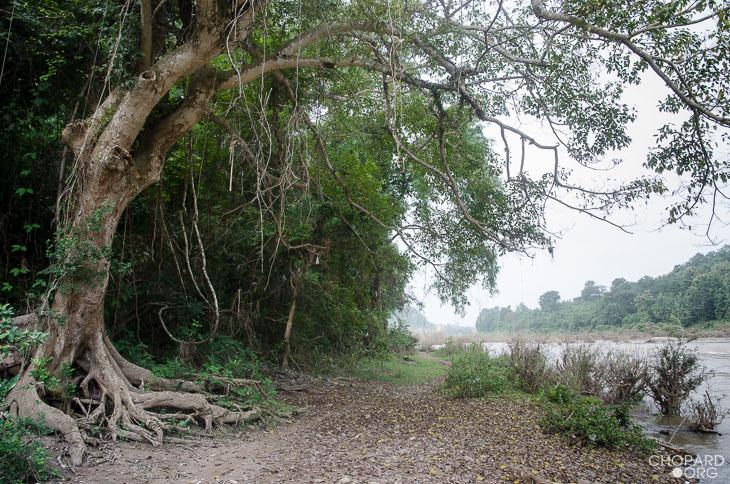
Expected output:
{"points": [[23, 191], [16, 271]]}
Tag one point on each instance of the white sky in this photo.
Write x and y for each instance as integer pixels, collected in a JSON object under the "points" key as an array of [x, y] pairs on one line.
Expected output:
{"points": [[589, 249]]}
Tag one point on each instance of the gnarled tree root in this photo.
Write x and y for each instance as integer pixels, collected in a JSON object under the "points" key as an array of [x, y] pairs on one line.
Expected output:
{"points": [[141, 377], [110, 400]]}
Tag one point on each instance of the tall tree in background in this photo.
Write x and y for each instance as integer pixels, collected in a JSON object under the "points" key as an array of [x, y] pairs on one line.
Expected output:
{"points": [[550, 301], [430, 70]]}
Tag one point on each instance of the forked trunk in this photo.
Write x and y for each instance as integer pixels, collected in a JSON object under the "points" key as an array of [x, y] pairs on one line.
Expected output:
{"points": [[117, 156]]}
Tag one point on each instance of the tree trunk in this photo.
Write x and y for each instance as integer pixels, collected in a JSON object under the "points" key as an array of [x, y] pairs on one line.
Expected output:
{"points": [[287, 331], [108, 179], [76, 336]]}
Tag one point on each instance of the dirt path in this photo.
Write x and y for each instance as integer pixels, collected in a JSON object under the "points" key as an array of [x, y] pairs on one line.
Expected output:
{"points": [[372, 432]]}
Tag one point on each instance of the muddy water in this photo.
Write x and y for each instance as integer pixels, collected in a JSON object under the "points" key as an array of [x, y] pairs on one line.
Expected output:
{"points": [[715, 355]]}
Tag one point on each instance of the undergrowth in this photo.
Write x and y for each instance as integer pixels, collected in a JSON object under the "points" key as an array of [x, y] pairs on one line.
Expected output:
{"points": [[220, 362], [395, 369], [584, 419], [587, 420], [475, 374], [22, 458]]}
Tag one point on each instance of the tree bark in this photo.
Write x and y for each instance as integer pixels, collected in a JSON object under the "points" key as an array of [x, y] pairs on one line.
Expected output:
{"points": [[289, 323]]}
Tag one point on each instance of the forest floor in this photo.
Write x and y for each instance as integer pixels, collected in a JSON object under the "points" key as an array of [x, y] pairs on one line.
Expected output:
{"points": [[351, 430]]}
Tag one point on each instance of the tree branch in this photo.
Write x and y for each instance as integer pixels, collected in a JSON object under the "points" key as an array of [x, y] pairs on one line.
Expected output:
{"points": [[542, 12]]}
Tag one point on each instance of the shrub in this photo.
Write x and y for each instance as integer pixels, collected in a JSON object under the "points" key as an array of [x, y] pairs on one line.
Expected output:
{"points": [[399, 339], [625, 377], [579, 369], [23, 460], [707, 414], [676, 372], [530, 365], [451, 348], [587, 420], [475, 374], [560, 394]]}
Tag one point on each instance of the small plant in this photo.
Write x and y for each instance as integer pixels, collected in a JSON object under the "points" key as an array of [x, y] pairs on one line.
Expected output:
{"points": [[559, 394], [707, 414], [588, 421], [23, 460], [676, 372], [530, 365], [475, 374], [43, 375], [14, 339]]}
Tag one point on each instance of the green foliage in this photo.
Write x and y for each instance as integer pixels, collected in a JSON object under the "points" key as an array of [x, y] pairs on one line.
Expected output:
{"points": [[394, 369], [225, 360], [590, 421], [474, 374], [399, 340], [51, 49], [451, 348], [42, 373], [694, 295], [76, 259], [23, 458], [391, 165], [550, 301], [7, 385], [676, 371], [13, 338]]}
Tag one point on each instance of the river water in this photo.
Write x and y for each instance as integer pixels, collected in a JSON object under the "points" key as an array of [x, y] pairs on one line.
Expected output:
{"points": [[715, 356]]}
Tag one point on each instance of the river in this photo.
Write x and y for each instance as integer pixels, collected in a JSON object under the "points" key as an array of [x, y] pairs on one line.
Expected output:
{"points": [[715, 356]]}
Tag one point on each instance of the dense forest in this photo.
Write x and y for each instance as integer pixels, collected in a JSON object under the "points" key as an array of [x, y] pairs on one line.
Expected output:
{"points": [[233, 186], [694, 294]]}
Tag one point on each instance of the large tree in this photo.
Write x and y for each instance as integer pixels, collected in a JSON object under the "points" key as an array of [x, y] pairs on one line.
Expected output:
{"points": [[430, 69]]}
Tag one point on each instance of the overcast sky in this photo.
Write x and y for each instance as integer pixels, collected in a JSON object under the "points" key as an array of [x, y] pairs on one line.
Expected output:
{"points": [[588, 249]]}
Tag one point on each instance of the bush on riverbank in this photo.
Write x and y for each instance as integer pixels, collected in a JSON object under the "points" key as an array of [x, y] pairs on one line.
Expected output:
{"points": [[590, 390], [530, 365], [584, 419], [676, 371], [705, 415], [589, 421], [475, 374]]}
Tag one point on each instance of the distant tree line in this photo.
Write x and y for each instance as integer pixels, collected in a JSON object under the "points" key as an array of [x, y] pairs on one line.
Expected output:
{"points": [[694, 293]]}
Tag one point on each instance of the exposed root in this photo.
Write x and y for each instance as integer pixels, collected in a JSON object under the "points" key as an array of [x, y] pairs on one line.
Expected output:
{"points": [[24, 401], [142, 377], [11, 363], [196, 404], [25, 320], [109, 399]]}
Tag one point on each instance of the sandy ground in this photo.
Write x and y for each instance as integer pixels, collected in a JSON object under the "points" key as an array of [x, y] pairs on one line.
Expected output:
{"points": [[351, 431]]}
